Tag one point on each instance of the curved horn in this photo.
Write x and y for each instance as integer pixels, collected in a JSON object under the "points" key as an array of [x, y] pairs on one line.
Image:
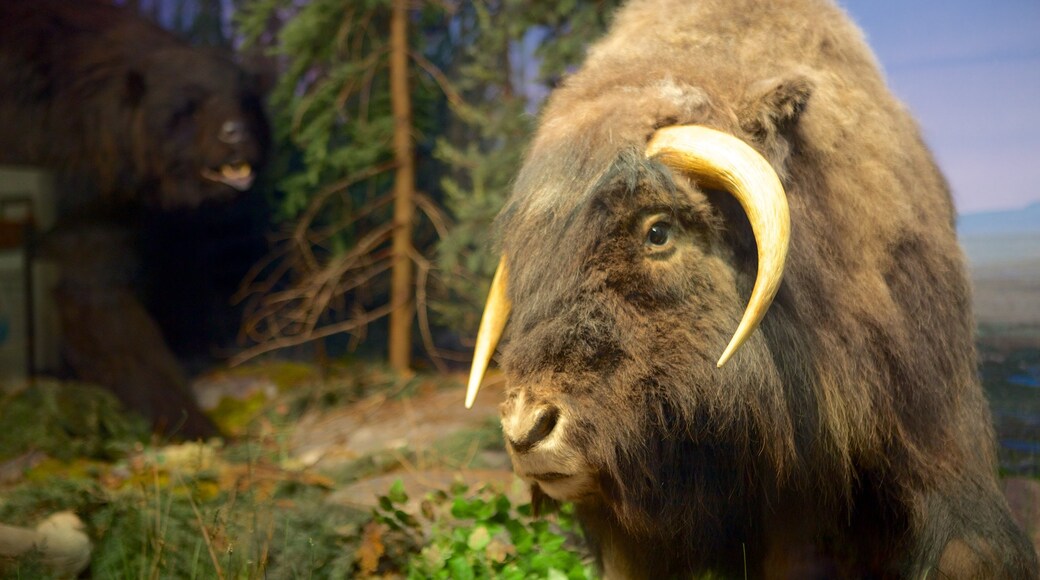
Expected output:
{"points": [[492, 323], [722, 161]]}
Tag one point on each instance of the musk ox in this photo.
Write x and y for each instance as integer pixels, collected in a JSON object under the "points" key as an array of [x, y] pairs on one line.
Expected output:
{"points": [[136, 123], [740, 164]]}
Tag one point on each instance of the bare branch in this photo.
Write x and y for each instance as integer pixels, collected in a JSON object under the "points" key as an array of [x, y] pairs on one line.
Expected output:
{"points": [[422, 270], [441, 222], [439, 77], [324, 193], [287, 341]]}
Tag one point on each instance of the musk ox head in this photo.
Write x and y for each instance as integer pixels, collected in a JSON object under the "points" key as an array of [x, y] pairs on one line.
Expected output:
{"points": [[626, 304]]}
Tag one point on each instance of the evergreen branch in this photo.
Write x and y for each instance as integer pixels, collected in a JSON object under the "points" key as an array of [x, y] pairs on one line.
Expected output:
{"points": [[360, 34], [318, 88], [367, 68], [365, 94], [319, 235]]}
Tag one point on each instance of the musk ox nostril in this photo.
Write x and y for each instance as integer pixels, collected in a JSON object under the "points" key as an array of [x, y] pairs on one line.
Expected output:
{"points": [[544, 424]]}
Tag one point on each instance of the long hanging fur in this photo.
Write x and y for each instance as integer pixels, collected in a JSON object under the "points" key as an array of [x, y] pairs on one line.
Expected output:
{"points": [[850, 436]]}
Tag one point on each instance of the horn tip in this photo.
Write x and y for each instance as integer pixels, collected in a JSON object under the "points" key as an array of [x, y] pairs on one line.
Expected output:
{"points": [[471, 391], [728, 354]]}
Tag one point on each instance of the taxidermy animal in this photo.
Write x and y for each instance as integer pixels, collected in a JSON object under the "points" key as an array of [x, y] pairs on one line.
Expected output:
{"points": [[740, 330], [135, 122]]}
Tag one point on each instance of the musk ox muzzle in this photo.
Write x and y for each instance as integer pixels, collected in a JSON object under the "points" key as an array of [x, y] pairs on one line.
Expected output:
{"points": [[537, 439]]}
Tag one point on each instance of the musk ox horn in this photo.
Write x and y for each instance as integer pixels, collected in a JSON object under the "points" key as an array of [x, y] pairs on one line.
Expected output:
{"points": [[492, 323], [718, 160], [722, 161]]}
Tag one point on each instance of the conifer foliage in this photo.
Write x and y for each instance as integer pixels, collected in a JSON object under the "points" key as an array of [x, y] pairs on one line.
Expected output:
{"points": [[400, 125]]}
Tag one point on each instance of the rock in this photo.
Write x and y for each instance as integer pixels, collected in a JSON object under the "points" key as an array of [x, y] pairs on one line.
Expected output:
{"points": [[60, 540]]}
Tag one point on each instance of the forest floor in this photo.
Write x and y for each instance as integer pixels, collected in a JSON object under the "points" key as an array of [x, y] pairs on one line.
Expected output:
{"points": [[346, 471], [350, 471], [353, 471]]}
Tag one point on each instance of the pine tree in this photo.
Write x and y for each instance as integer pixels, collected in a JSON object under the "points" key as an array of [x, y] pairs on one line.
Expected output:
{"points": [[346, 112], [510, 54], [353, 164], [400, 339]]}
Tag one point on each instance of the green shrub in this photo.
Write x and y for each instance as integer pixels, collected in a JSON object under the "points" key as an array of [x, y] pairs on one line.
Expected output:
{"points": [[465, 535]]}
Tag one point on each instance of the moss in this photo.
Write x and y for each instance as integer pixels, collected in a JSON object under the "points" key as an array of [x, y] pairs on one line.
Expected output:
{"points": [[66, 421]]}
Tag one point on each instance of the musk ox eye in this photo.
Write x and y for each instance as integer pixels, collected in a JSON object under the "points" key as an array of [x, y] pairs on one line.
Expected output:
{"points": [[659, 234]]}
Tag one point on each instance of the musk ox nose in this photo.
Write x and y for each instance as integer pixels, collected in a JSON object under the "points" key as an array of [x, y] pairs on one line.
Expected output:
{"points": [[524, 431]]}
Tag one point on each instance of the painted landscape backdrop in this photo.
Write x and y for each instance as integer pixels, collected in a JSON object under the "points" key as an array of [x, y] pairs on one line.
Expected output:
{"points": [[1003, 250]]}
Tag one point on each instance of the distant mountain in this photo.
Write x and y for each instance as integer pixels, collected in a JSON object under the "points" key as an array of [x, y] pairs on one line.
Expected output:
{"points": [[1008, 222]]}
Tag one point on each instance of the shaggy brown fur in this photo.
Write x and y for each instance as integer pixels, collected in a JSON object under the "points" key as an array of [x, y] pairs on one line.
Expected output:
{"points": [[91, 89], [849, 438], [135, 122]]}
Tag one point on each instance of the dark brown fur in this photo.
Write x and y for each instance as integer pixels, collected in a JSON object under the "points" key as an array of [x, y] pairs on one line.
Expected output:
{"points": [[97, 92], [131, 119], [849, 437]]}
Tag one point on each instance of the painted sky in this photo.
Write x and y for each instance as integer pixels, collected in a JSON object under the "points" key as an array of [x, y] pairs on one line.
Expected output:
{"points": [[970, 72]]}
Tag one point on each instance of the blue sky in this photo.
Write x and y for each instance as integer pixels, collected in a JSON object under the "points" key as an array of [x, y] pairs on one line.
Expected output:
{"points": [[970, 72]]}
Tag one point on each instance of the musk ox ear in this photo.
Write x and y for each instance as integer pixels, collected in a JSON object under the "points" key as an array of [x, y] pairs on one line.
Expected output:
{"points": [[772, 112], [776, 104]]}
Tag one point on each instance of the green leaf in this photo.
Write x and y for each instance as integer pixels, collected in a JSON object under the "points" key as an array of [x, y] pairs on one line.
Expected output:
{"points": [[460, 568], [486, 511], [461, 508], [479, 539], [397, 493]]}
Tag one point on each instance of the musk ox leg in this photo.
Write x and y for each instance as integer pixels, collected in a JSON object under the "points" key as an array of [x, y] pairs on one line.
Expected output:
{"points": [[108, 337], [731, 551], [971, 536], [792, 556]]}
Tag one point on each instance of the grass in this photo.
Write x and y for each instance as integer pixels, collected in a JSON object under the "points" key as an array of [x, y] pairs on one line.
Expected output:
{"points": [[245, 509], [152, 516]]}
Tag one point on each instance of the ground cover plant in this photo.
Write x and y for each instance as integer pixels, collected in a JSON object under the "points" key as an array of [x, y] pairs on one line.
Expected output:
{"points": [[245, 507]]}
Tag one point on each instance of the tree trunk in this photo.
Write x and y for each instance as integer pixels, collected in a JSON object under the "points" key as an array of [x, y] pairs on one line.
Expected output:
{"points": [[404, 185]]}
